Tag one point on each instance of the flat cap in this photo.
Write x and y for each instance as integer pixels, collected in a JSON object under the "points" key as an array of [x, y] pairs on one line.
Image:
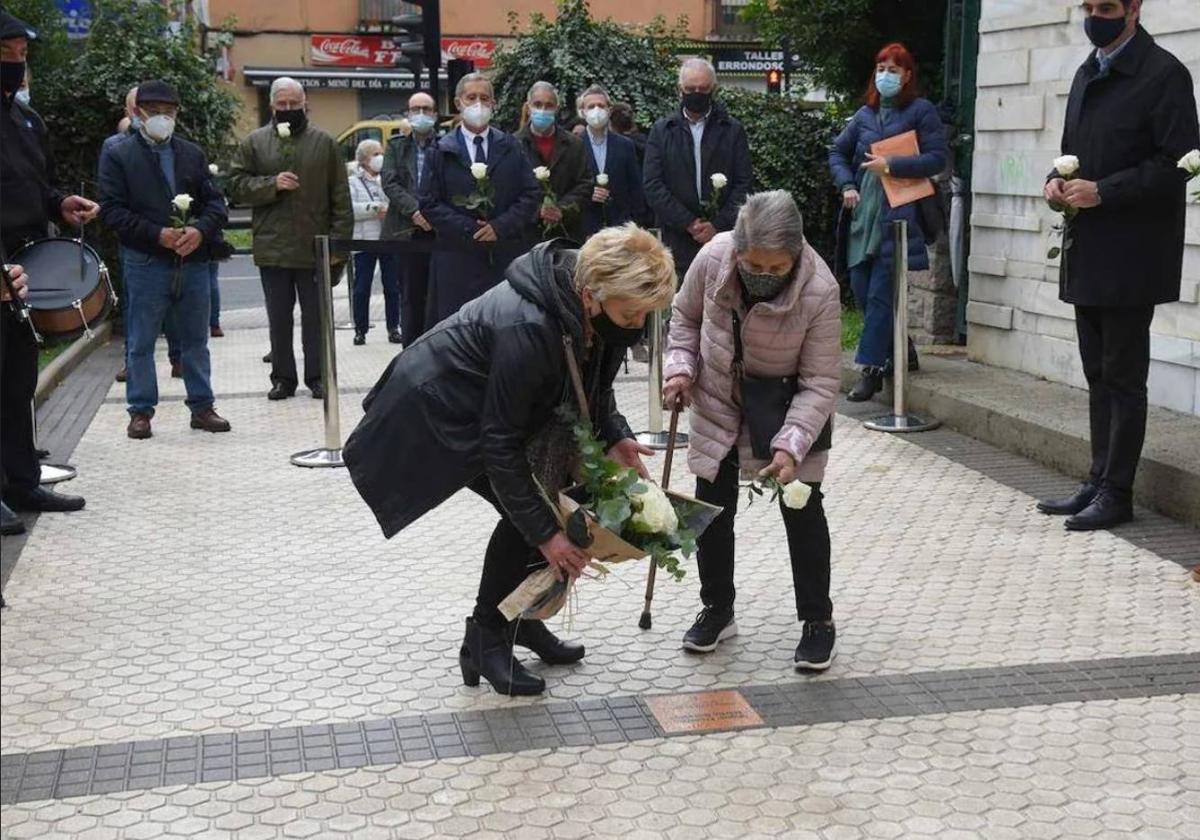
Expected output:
{"points": [[13, 27], [157, 90]]}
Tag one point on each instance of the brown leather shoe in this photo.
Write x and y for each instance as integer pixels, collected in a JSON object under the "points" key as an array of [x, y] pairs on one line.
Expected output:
{"points": [[122, 374], [177, 370], [139, 426], [216, 332], [210, 421]]}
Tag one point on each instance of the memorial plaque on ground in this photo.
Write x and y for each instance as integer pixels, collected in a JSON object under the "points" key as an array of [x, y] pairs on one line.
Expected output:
{"points": [[707, 711]]}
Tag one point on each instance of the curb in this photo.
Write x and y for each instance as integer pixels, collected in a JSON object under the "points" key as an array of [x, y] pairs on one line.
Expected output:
{"points": [[54, 373]]}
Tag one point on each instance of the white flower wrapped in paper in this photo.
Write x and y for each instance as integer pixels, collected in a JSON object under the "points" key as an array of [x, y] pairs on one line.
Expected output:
{"points": [[542, 173], [1066, 166], [653, 512], [719, 181], [602, 179], [796, 495], [284, 130], [182, 202], [478, 171], [1190, 162]]}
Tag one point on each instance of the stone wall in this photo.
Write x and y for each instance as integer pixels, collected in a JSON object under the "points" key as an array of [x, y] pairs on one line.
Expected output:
{"points": [[1029, 51]]}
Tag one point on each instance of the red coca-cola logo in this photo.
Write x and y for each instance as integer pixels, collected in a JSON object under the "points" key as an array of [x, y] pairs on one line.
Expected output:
{"points": [[478, 50]]}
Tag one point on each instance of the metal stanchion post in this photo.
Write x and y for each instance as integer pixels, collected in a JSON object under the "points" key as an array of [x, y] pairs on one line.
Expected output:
{"points": [[331, 454], [900, 420], [348, 324], [655, 437]]}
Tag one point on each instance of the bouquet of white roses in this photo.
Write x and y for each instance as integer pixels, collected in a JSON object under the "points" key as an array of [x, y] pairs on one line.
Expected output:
{"points": [[1190, 163]]}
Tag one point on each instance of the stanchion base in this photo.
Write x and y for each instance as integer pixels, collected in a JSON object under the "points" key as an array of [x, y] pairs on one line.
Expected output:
{"points": [[659, 440], [901, 424], [54, 473], [346, 325], [319, 458]]}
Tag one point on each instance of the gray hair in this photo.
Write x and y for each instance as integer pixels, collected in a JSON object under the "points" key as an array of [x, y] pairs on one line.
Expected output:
{"points": [[473, 77], [696, 63], [543, 85], [771, 221], [285, 82], [594, 90], [360, 152]]}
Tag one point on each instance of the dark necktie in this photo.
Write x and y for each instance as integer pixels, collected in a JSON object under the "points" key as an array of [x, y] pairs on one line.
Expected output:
{"points": [[480, 157]]}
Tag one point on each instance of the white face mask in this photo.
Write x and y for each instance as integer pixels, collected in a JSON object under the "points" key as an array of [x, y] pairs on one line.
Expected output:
{"points": [[477, 116], [159, 127], [596, 117], [375, 164]]}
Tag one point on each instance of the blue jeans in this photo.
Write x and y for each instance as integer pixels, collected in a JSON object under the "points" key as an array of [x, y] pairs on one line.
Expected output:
{"points": [[871, 282], [148, 302], [214, 294], [364, 275]]}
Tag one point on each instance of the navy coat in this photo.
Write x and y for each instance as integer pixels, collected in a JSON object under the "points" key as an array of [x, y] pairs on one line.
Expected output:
{"points": [[136, 200], [457, 278], [626, 200], [850, 150]]}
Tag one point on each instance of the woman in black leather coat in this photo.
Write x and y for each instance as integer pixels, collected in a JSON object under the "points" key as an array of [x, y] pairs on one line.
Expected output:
{"points": [[474, 403]]}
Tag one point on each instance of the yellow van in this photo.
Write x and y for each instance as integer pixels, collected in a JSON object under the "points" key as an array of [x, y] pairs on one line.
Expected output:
{"points": [[381, 130]]}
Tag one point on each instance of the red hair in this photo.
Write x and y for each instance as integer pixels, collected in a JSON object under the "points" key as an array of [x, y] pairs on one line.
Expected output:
{"points": [[899, 54]]}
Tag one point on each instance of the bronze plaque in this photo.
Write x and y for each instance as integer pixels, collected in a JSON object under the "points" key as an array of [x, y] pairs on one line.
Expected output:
{"points": [[708, 711]]}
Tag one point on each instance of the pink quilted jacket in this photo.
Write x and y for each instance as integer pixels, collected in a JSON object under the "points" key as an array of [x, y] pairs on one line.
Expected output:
{"points": [[798, 333]]}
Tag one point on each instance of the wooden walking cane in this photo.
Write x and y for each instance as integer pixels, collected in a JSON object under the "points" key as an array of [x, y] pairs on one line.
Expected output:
{"points": [[644, 622]]}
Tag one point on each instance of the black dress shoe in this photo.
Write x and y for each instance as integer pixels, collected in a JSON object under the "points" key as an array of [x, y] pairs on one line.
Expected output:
{"points": [[1107, 510], [10, 523], [535, 636], [279, 391], [317, 391], [1070, 505], [360, 339], [41, 454], [486, 653], [42, 500], [394, 337], [266, 358], [867, 387]]}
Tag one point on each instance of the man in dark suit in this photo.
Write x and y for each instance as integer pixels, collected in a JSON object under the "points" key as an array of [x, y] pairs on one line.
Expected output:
{"points": [[1131, 116], [685, 150], [616, 178], [562, 152], [157, 194], [495, 234], [404, 167]]}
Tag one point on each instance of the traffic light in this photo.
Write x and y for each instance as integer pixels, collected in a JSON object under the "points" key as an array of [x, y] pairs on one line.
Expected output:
{"points": [[774, 80], [427, 50]]}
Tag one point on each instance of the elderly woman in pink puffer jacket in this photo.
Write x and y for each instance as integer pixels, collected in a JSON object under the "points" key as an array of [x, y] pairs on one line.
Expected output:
{"points": [[755, 349]]}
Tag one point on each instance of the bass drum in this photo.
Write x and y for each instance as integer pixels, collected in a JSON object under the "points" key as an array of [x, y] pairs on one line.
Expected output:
{"points": [[70, 292]]}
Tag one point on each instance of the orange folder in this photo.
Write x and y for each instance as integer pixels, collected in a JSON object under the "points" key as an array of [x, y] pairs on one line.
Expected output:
{"points": [[901, 191]]}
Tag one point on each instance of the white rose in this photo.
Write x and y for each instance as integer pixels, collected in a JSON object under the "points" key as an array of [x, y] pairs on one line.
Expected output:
{"points": [[655, 515], [795, 495], [285, 130], [602, 179], [542, 173], [478, 171], [1066, 166], [719, 181], [212, 167], [1191, 162], [183, 201]]}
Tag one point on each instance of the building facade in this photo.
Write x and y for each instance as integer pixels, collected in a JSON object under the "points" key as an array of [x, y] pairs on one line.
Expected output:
{"points": [[1028, 53]]}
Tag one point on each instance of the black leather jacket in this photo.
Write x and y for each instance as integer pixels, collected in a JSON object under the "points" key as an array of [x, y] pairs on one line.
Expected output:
{"points": [[466, 398]]}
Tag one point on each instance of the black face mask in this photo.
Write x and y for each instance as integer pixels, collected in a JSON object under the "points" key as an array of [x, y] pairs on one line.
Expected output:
{"points": [[697, 102], [296, 120], [613, 334], [12, 73], [1103, 31]]}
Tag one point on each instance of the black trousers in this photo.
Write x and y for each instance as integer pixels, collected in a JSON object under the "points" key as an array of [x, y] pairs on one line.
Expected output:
{"points": [[507, 561], [414, 291], [19, 469], [807, 539], [282, 286], [1114, 344]]}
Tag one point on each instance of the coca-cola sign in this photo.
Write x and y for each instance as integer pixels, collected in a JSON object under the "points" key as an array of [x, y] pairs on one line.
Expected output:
{"points": [[384, 50]]}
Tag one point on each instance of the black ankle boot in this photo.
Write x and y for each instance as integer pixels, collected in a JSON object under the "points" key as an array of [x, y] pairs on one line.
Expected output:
{"points": [[867, 387], [552, 650], [486, 652]]}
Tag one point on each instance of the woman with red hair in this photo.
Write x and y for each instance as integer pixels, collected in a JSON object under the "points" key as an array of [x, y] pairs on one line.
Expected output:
{"points": [[892, 107]]}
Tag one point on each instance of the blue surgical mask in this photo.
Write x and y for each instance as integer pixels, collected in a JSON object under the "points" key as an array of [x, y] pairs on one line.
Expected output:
{"points": [[541, 120], [422, 123], [888, 83]]}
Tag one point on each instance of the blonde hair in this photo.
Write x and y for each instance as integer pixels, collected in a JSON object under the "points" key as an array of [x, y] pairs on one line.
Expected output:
{"points": [[627, 262]]}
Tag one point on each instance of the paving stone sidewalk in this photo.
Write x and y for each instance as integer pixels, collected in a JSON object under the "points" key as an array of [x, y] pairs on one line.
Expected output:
{"points": [[212, 593]]}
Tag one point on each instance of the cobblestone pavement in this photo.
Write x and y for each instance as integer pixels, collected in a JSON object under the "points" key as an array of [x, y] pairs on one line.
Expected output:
{"points": [[212, 588]]}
